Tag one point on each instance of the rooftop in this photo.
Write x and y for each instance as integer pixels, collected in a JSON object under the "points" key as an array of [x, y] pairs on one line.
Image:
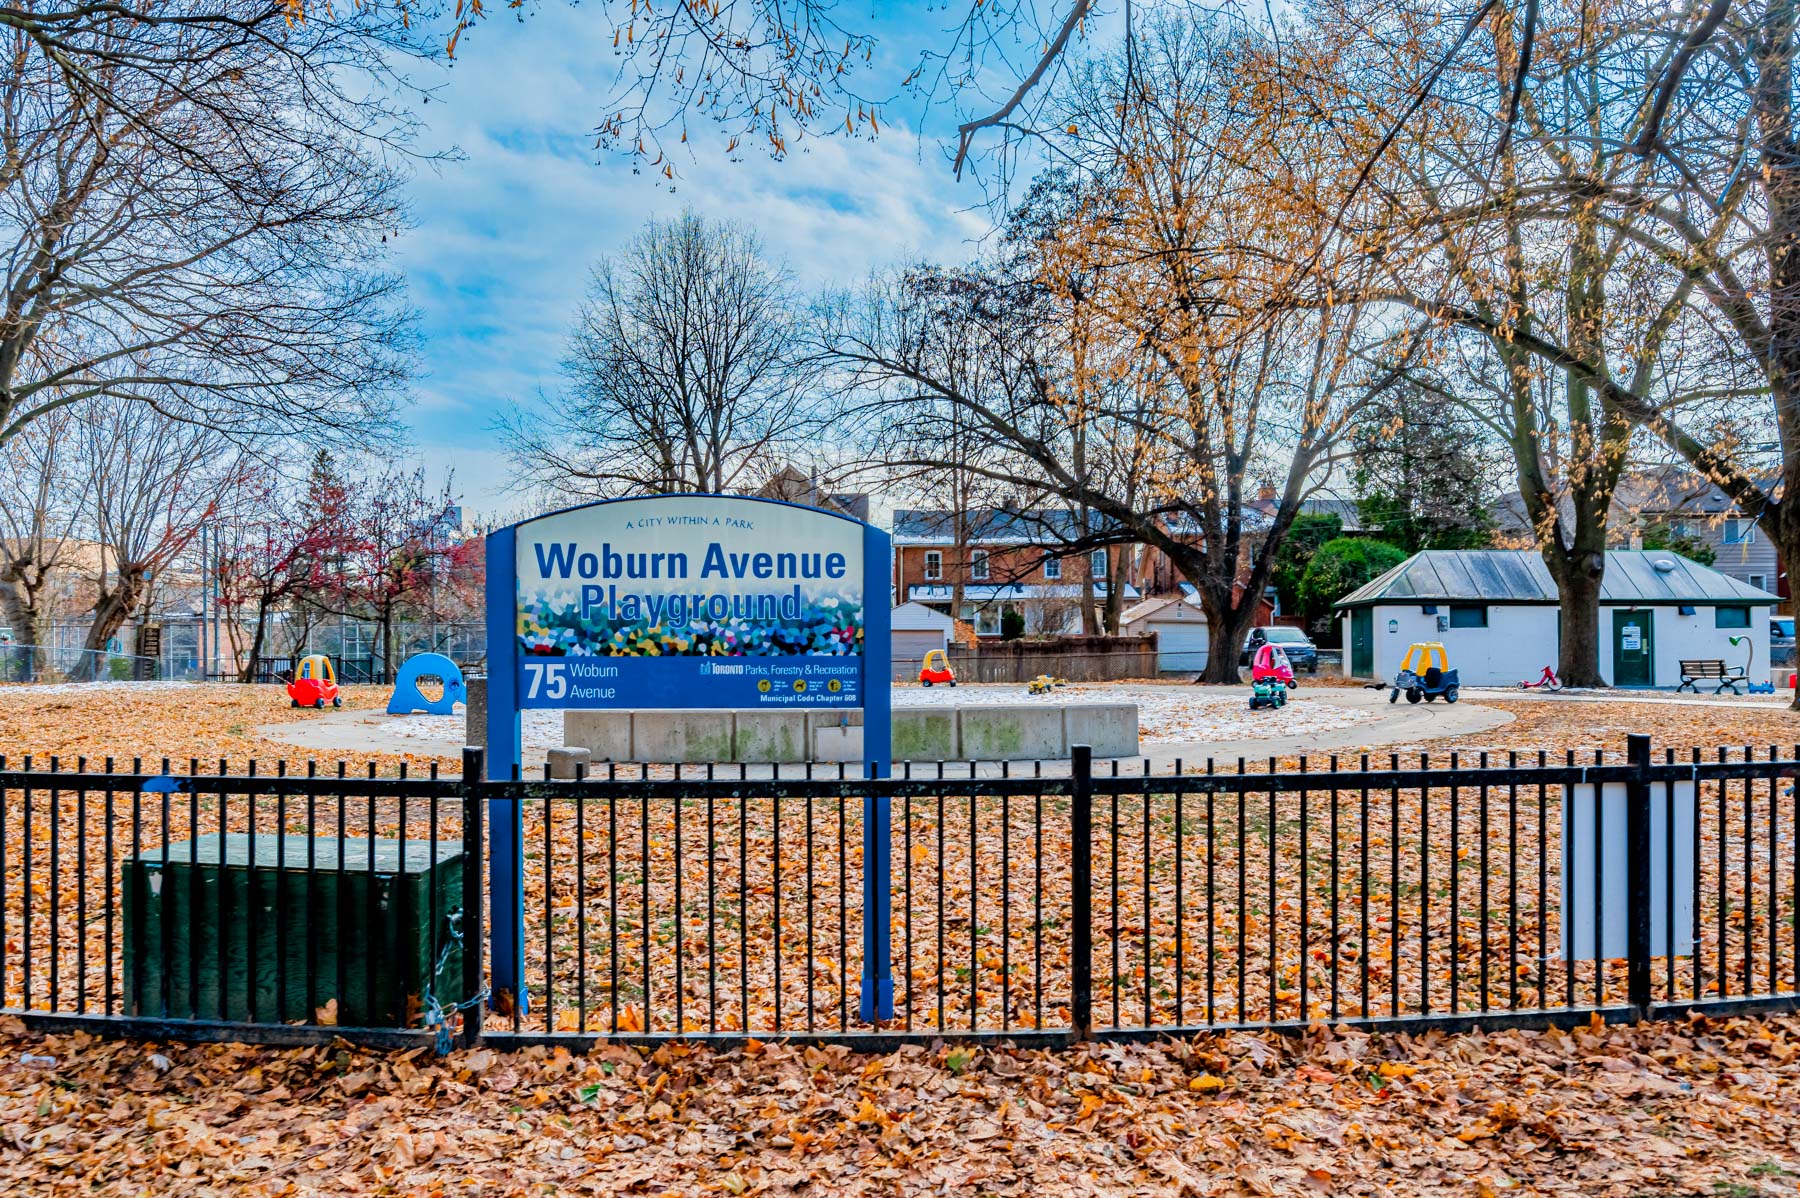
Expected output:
{"points": [[1520, 576]]}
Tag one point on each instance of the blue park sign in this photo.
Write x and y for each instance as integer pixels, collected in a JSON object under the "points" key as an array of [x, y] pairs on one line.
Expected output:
{"points": [[680, 601]]}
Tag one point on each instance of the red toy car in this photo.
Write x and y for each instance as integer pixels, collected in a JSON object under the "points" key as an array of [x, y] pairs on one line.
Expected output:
{"points": [[1272, 665], [936, 668], [314, 684]]}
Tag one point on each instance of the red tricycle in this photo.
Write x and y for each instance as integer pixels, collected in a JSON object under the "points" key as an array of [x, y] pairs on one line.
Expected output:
{"points": [[1272, 665], [314, 684]]}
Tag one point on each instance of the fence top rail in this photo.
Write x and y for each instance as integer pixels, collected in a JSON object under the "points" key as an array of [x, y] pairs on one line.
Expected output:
{"points": [[787, 788], [728, 780], [1437, 776], [421, 786]]}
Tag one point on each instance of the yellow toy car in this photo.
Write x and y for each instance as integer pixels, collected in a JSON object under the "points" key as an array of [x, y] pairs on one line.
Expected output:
{"points": [[1425, 673], [314, 684], [936, 668]]}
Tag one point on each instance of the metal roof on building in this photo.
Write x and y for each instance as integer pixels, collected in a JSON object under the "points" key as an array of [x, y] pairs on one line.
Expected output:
{"points": [[1000, 592], [990, 526], [1648, 576], [1037, 526]]}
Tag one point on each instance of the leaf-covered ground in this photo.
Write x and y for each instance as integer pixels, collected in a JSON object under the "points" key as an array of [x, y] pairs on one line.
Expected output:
{"points": [[1659, 1111], [209, 722]]}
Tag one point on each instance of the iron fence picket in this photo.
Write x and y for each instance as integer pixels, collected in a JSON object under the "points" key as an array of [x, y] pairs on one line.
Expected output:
{"points": [[1002, 918]]}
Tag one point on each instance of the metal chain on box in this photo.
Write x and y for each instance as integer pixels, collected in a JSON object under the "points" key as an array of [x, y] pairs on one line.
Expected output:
{"points": [[436, 1014]]}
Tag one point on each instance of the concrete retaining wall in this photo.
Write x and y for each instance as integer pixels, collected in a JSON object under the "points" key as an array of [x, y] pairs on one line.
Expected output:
{"points": [[1024, 732], [1017, 732]]}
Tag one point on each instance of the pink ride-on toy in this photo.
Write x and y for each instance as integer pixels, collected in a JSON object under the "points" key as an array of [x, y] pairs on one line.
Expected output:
{"points": [[1271, 665]]}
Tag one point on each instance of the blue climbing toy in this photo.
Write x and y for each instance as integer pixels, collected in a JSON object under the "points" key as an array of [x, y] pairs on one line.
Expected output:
{"points": [[408, 698]]}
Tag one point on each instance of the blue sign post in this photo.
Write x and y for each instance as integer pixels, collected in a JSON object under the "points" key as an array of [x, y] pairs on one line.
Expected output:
{"points": [[651, 603]]}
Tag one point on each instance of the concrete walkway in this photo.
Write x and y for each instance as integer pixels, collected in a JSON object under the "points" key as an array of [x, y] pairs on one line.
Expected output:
{"points": [[366, 731], [1779, 701], [1389, 727]]}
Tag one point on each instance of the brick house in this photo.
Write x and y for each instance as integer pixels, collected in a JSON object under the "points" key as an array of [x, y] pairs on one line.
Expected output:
{"points": [[1007, 560]]}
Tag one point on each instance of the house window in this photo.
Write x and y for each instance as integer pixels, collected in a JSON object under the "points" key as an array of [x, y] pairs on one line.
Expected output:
{"points": [[1097, 564], [1759, 581], [1740, 532], [1468, 615], [934, 565], [1053, 567], [1731, 617], [978, 565], [986, 619]]}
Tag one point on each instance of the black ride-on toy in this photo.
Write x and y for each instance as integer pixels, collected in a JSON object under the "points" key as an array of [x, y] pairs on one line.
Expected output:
{"points": [[1425, 674]]}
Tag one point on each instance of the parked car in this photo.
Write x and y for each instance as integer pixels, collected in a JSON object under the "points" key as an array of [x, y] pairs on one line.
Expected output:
{"points": [[1301, 653], [1781, 632]]}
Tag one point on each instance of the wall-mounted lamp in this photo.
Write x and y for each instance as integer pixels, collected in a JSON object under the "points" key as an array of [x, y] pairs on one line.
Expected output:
{"points": [[1686, 609], [1429, 609], [1750, 660]]}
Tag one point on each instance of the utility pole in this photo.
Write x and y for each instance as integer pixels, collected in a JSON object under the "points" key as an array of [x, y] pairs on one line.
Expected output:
{"points": [[201, 631]]}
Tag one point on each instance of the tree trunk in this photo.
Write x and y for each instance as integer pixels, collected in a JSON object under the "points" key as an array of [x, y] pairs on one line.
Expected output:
{"points": [[1115, 592], [111, 611], [1787, 549], [1578, 575], [387, 643], [247, 673], [1090, 623], [19, 607], [1227, 625]]}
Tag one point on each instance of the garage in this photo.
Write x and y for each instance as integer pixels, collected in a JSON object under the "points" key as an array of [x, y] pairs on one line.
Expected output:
{"points": [[916, 630], [1180, 628]]}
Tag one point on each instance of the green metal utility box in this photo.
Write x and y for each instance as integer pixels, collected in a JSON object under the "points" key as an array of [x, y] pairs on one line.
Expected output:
{"points": [[215, 932]]}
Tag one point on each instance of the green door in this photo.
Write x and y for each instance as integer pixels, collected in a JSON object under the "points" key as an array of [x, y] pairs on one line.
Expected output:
{"points": [[1362, 642], [1633, 649]]}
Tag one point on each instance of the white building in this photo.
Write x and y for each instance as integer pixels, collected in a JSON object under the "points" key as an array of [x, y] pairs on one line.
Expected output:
{"points": [[916, 630], [1495, 612], [1179, 622]]}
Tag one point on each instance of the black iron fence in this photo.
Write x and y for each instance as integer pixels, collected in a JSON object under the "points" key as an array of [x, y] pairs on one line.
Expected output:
{"points": [[659, 902]]}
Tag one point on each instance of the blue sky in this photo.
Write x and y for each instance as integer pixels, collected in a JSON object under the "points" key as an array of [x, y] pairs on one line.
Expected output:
{"points": [[505, 236]]}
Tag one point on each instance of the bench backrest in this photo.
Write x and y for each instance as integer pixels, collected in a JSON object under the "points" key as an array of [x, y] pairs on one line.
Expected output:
{"points": [[1704, 669]]}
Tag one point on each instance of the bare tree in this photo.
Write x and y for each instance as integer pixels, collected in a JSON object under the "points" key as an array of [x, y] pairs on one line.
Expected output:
{"points": [[768, 74], [386, 550], [1180, 238], [277, 540], [1725, 212], [153, 482], [686, 370], [1502, 212], [41, 506], [193, 215]]}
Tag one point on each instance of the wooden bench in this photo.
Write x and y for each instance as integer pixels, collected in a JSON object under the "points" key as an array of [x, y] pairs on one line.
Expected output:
{"points": [[1695, 672]]}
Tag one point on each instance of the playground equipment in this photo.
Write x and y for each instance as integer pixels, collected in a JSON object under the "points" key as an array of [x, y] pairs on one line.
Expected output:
{"points": [[1425, 673], [1268, 691], [1043, 684], [408, 698], [315, 683], [1272, 665], [1546, 681], [936, 668]]}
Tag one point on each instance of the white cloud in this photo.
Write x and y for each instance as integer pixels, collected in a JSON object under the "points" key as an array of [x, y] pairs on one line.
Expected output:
{"points": [[506, 235]]}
